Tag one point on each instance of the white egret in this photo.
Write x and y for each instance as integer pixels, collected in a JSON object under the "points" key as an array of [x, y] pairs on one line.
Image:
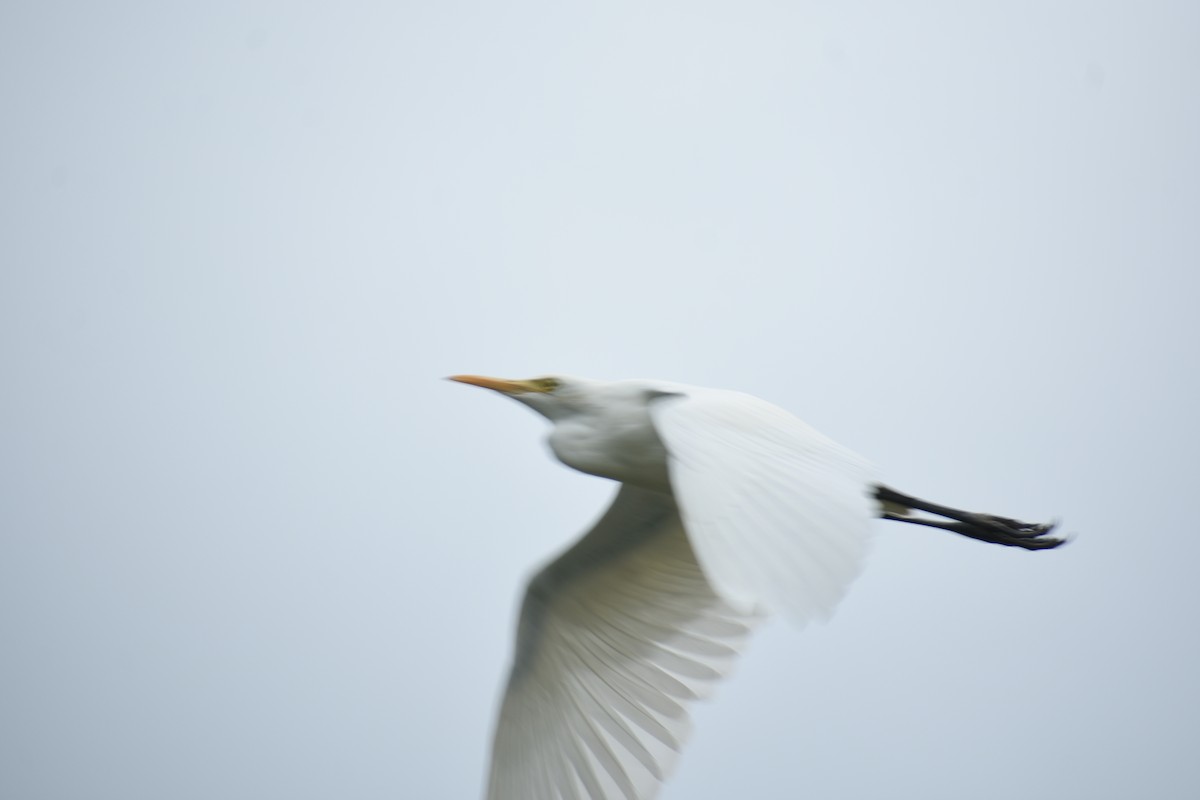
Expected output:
{"points": [[729, 508]]}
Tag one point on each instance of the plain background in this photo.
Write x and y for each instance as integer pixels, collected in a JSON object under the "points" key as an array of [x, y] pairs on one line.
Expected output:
{"points": [[251, 545]]}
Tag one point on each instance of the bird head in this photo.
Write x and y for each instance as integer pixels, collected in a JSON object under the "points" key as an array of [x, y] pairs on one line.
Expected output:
{"points": [[553, 397]]}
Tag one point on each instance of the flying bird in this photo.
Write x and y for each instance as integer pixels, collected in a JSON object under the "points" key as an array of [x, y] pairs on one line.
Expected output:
{"points": [[729, 508]]}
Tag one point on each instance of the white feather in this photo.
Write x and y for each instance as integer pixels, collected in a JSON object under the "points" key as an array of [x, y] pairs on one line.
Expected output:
{"points": [[779, 515], [617, 636]]}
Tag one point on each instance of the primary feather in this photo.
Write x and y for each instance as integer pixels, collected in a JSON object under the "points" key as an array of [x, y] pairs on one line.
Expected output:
{"points": [[616, 637]]}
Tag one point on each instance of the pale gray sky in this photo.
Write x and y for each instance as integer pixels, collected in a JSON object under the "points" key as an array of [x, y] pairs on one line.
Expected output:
{"points": [[251, 545]]}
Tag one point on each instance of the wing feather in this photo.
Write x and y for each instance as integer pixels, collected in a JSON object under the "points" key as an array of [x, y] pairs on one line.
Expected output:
{"points": [[779, 515], [616, 636]]}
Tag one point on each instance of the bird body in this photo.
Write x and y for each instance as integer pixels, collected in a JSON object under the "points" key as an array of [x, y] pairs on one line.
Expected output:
{"points": [[730, 508]]}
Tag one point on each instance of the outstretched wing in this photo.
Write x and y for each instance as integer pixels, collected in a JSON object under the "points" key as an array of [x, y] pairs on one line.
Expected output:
{"points": [[779, 516], [616, 637]]}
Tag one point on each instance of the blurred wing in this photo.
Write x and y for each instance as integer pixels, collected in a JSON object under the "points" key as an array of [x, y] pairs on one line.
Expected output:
{"points": [[779, 515], [616, 637]]}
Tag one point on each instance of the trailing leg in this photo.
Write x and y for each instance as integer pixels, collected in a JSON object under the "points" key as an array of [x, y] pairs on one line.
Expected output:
{"points": [[984, 527]]}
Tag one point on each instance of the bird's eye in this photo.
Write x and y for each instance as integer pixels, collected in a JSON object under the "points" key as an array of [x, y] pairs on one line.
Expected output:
{"points": [[546, 384]]}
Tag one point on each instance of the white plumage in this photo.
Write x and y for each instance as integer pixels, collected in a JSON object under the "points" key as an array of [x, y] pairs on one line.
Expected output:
{"points": [[730, 508]]}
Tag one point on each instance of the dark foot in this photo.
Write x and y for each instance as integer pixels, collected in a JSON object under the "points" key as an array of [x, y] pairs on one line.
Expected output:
{"points": [[984, 527]]}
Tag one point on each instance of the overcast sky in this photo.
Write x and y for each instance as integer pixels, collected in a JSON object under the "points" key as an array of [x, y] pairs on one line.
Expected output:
{"points": [[252, 546]]}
